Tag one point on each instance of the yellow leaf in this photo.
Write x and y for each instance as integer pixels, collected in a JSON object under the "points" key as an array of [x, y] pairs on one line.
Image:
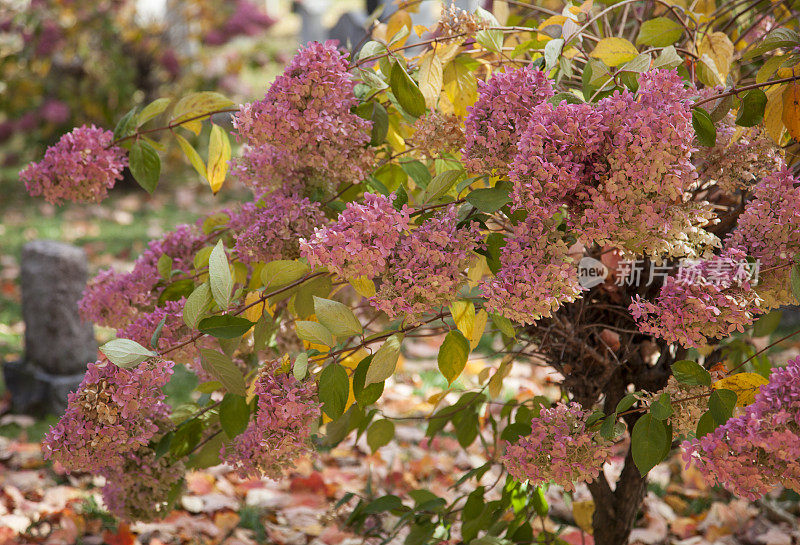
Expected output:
{"points": [[477, 271], [745, 385], [773, 114], [419, 30], [219, 153], [430, 78], [791, 109], [195, 125], [464, 316], [253, 313], [446, 52], [614, 51], [192, 155], [478, 328], [719, 48], [461, 87], [496, 382], [582, 512], [397, 21], [553, 20], [363, 286], [198, 105]]}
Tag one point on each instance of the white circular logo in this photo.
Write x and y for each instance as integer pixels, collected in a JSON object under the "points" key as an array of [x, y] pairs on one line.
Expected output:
{"points": [[591, 272]]}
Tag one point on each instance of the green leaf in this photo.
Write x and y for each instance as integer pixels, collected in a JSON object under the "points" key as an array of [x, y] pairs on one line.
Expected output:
{"points": [[164, 266], [608, 426], [626, 403], [406, 91], [225, 326], [661, 408], [794, 281], [365, 395], [504, 325], [300, 367], [176, 290], [208, 455], [659, 32], [314, 332], [704, 128], [440, 184], [751, 111], [705, 425], [222, 368], [145, 165], [418, 172], [691, 372], [379, 434], [721, 404], [779, 37], [338, 318], [375, 112], [282, 272], [649, 440], [126, 353], [490, 200], [186, 437], [152, 110], [127, 124], [382, 504], [219, 274], [234, 415], [384, 360], [157, 333], [490, 39], [334, 387], [767, 324], [197, 304], [552, 51], [668, 58], [453, 355]]}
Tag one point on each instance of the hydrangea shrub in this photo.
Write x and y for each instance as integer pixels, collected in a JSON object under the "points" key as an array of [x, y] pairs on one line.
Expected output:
{"points": [[512, 204]]}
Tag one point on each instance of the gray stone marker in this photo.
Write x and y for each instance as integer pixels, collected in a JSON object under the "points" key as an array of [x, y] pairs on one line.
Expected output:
{"points": [[58, 344]]}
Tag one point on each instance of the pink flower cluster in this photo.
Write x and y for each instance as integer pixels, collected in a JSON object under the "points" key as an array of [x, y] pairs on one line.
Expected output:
{"points": [[734, 165], [642, 205], [113, 298], [559, 449], [303, 132], [756, 451], [114, 413], [81, 167], [426, 267], [708, 300], [769, 227], [281, 429], [558, 153], [536, 274], [271, 228], [621, 168], [362, 239], [496, 121], [140, 488]]}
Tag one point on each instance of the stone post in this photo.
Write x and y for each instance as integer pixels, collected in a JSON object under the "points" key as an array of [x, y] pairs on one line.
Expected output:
{"points": [[58, 344]]}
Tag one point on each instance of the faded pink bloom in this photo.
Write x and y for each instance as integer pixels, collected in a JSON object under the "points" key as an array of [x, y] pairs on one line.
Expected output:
{"points": [[559, 449], [759, 449], [362, 239], [81, 167], [280, 430], [114, 413]]}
